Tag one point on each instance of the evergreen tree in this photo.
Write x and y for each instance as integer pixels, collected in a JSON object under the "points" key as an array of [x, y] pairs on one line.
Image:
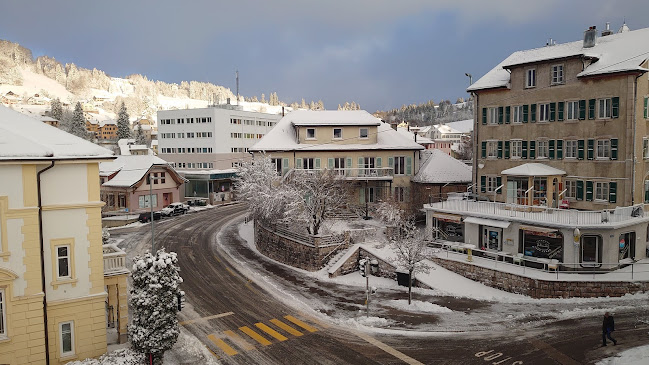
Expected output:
{"points": [[123, 130], [155, 297], [56, 109], [263, 98], [139, 135], [78, 124]]}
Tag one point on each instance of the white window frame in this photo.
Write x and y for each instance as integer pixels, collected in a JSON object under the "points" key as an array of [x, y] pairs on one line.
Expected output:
{"points": [[571, 189], [306, 165], [61, 348], [645, 148], [492, 183], [58, 262], [399, 165], [367, 133], [530, 78], [572, 110], [3, 314], [400, 194], [340, 134], [601, 189], [557, 74], [570, 149], [308, 136], [516, 151], [603, 149], [517, 114], [544, 112], [492, 115], [604, 108], [542, 149], [492, 149]]}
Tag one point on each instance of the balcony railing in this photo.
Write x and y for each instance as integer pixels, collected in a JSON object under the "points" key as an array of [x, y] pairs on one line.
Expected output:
{"points": [[114, 260], [540, 213], [376, 173]]}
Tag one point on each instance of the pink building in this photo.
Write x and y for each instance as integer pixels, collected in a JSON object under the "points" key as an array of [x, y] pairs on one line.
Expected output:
{"points": [[125, 183]]}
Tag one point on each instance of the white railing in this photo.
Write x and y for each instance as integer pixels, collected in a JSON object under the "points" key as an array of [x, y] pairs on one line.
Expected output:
{"points": [[114, 260], [541, 213], [352, 172]]}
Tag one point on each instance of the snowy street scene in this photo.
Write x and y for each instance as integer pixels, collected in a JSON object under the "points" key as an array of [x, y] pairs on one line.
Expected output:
{"points": [[337, 182]]}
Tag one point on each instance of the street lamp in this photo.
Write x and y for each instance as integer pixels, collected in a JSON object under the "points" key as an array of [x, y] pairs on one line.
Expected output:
{"points": [[470, 78], [151, 179]]}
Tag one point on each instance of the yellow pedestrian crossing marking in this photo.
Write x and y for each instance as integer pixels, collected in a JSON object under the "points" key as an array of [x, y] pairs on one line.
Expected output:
{"points": [[205, 318], [301, 324], [254, 335], [285, 327], [222, 345], [271, 331], [239, 340]]}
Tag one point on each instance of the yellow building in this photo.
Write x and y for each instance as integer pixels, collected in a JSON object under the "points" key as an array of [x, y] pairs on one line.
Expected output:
{"points": [[376, 160], [53, 293]]}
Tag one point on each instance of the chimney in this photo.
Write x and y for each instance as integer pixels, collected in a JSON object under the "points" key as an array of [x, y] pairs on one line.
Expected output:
{"points": [[228, 101], [607, 31], [590, 37]]}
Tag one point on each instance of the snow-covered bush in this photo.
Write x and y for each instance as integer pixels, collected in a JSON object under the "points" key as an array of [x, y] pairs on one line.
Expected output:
{"points": [[105, 236], [154, 298]]}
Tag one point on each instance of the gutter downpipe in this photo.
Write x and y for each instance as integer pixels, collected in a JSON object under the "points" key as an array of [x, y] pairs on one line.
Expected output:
{"points": [[40, 232]]}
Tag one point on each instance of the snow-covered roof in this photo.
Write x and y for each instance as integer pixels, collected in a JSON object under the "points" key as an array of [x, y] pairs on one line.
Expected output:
{"points": [[332, 117], [45, 118], [131, 169], [283, 138], [441, 168], [462, 126], [108, 121], [409, 134], [26, 138], [533, 169], [619, 52]]}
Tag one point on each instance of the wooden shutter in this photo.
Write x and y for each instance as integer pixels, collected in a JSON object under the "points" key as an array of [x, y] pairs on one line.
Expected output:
{"points": [[532, 149], [524, 150], [390, 161], [500, 115], [553, 111], [612, 192], [499, 181], [298, 162], [589, 191], [560, 107], [361, 162], [615, 110], [349, 163], [317, 164], [484, 116], [582, 109], [483, 184], [613, 148], [591, 149], [559, 149], [484, 149], [646, 107], [506, 149], [500, 149], [508, 114], [408, 166], [525, 113], [551, 149], [591, 109], [379, 162], [580, 149], [580, 190], [331, 163], [533, 113], [284, 166]]}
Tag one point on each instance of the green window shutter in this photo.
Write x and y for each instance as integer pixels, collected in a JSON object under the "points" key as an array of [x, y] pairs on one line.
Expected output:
{"points": [[500, 115], [646, 107], [612, 192], [559, 149], [615, 110], [379, 162], [591, 149], [589, 191], [298, 162], [408, 166], [361, 162], [646, 192], [500, 149], [524, 149], [508, 114], [499, 181], [484, 116], [483, 184], [390, 161], [525, 113], [580, 149], [613, 148], [349, 162], [484, 149], [284, 166], [591, 108], [553, 111], [582, 109], [330, 163], [533, 113], [580, 190], [317, 163], [532, 149], [361, 195], [506, 149], [551, 149], [560, 107]]}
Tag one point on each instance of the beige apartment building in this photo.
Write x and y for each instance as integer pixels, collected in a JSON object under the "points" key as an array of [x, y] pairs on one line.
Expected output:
{"points": [[377, 161], [562, 135]]}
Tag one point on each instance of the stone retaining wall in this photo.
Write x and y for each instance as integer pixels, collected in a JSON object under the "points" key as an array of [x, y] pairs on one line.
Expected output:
{"points": [[537, 288], [386, 269]]}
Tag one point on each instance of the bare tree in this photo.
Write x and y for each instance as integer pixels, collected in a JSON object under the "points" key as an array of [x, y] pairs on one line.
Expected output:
{"points": [[410, 249]]}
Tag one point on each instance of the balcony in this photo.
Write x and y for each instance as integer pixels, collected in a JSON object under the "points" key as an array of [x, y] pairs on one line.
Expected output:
{"points": [[114, 260], [355, 173], [541, 214]]}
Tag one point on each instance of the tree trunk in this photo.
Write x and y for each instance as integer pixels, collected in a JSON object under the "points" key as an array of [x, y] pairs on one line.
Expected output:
{"points": [[409, 287]]}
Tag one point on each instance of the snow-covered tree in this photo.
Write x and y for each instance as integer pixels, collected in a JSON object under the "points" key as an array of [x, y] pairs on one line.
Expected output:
{"points": [[410, 249], [155, 295], [139, 135], [56, 109], [105, 236], [77, 126], [123, 130]]}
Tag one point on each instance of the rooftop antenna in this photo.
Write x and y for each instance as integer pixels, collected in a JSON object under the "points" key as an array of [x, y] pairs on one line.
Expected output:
{"points": [[237, 74]]}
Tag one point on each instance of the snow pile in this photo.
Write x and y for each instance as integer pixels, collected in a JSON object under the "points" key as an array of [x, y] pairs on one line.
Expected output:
{"points": [[416, 306], [124, 356], [634, 356], [361, 322]]}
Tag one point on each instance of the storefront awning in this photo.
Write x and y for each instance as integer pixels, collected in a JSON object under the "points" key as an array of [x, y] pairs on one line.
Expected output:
{"points": [[448, 217], [487, 222], [539, 229]]}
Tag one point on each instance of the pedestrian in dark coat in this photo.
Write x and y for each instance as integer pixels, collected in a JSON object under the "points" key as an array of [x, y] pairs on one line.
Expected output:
{"points": [[608, 326]]}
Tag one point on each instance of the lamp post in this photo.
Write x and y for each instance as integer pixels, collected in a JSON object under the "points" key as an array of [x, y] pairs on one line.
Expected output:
{"points": [[151, 179], [470, 78]]}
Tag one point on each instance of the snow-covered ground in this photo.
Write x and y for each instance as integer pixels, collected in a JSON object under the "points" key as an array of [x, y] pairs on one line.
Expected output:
{"points": [[635, 356]]}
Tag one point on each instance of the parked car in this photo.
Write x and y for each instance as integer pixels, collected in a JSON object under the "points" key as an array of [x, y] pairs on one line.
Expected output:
{"points": [[174, 209], [146, 217]]}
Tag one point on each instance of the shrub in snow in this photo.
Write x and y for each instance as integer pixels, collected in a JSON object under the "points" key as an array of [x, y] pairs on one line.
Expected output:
{"points": [[105, 236], [117, 357], [154, 299]]}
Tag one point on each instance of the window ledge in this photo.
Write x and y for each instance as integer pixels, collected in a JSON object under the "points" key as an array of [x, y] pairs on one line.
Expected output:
{"points": [[4, 338], [56, 283], [69, 357]]}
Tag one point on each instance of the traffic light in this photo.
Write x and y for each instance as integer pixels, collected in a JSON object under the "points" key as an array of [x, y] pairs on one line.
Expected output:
{"points": [[362, 267], [181, 300]]}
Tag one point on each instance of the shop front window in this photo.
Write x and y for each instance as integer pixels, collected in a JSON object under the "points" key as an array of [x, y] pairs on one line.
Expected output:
{"points": [[548, 245], [491, 239], [450, 231], [627, 246], [540, 190]]}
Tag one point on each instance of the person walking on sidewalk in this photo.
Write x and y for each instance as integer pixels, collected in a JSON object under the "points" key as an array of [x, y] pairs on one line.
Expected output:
{"points": [[608, 326]]}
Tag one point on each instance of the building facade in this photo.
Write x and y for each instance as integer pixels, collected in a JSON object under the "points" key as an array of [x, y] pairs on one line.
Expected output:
{"points": [[562, 130]]}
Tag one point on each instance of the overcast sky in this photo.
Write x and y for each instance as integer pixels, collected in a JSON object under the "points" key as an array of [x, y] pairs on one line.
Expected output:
{"points": [[379, 53]]}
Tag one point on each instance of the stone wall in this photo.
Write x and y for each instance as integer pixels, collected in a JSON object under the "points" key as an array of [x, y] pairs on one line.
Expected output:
{"points": [[386, 269], [290, 251], [536, 288]]}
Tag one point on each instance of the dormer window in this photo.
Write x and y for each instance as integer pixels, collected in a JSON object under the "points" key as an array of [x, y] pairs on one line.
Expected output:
{"points": [[310, 133], [338, 133], [530, 77], [364, 133]]}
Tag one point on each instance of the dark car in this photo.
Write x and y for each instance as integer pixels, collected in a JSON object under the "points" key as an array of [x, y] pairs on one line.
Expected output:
{"points": [[146, 217]]}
